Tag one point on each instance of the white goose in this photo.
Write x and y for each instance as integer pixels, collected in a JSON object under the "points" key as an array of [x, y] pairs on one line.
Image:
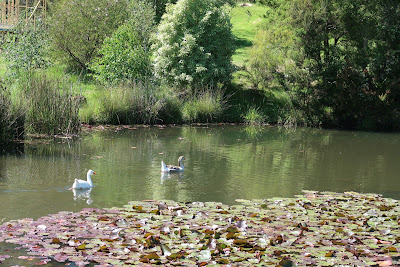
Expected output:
{"points": [[171, 168], [82, 184]]}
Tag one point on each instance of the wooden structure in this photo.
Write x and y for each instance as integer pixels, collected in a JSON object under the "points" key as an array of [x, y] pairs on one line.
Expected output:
{"points": [[13, 11]]}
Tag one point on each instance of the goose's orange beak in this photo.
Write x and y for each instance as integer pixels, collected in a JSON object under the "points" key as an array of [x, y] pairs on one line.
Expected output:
{"points": [[94, 172]]}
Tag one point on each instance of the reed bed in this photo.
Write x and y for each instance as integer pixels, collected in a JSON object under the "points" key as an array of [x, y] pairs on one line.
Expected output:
{"points": [[52, 106]]}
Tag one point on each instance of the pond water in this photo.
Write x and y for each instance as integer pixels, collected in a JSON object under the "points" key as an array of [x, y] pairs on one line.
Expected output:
{"points": [[223, 163]]}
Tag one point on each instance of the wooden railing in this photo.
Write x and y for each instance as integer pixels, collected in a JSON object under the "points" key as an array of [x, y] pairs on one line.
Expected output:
{"points": [[13, 11]]}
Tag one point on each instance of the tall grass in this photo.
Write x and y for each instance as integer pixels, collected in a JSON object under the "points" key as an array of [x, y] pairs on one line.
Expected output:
{"points": [[205, 105], [254, 117], [131, 103], [5, 117], [52, 105]]}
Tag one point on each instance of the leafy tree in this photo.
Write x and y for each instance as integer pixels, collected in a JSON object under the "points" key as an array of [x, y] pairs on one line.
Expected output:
{"points": [[78, 28], [126, 55], [335, 36], [26, 48], [123, 57], [160, 6], [339, 59], [277, 59], [194, 44]]}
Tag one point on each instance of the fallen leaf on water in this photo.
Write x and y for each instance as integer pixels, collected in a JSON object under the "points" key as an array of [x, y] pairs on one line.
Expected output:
{"points": [[385, 263]]}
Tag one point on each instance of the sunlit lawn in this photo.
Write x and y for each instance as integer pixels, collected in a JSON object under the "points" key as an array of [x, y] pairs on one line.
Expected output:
{"points": [[245, 21]]}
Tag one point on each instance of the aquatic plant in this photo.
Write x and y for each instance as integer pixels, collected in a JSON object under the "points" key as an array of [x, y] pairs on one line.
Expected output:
{"points": [[204, 106], [253, 116], [5, 116], [131, 103], [314, 229], [52, 105]]}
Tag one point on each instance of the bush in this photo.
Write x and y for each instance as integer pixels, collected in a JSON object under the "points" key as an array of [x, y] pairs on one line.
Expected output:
{"points": [[52, 106], [254, 116], [122, 58], [194, 44], [126, 55], [78, 28], [26, 48]]}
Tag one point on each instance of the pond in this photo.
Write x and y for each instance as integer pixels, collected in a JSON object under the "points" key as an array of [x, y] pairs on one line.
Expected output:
{"points": [[223, 163]]}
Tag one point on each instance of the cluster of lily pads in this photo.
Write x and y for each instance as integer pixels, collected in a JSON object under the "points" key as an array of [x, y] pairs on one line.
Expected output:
{"points": [[315, 229]]}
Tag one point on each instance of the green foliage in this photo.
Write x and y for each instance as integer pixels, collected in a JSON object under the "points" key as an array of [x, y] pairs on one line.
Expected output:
{"points": [[122, 58], [334, 59], [26, 48], [160, 6], [142, 22], [254, 116], [131, 103], [125, 55], [194, 44], [52, 106], [204, 106], [78, 28], [6, 130]]}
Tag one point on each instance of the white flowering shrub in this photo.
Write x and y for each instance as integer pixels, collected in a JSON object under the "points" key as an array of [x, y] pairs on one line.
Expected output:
{"points": [[194, 44]]}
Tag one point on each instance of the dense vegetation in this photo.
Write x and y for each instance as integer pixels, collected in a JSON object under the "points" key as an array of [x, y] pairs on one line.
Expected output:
{"points": [[319, 63]]}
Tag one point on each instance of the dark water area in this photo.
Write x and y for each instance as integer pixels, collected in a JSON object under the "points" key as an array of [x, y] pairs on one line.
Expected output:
{"points": [[223, 163]]}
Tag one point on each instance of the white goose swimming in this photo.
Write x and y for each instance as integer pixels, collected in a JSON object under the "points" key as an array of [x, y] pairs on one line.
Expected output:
{"points": [[171, 168], [82, 184]]}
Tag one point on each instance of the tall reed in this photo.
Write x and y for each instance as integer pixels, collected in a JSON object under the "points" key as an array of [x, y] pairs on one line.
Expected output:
{"points": [[5, 117], [131, 103], [206, 105], [52, 106], [254, 116]]}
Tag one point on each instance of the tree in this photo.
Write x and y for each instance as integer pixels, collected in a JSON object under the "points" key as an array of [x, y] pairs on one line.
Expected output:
{"points": [[78, 28], [160, 6], [194, 44], [126, 55], [26, 48], [340, 58]]}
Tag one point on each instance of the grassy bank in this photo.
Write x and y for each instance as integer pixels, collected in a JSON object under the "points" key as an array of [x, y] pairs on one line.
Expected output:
{"points": [[245, 19], [315, 229], [41, 100]]}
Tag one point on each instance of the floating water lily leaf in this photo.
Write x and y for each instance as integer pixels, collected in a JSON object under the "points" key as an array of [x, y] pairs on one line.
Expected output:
{"points": [[317, 229]]}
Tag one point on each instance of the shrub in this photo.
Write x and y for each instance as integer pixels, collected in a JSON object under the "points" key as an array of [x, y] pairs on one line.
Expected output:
{"points": [[254, 116], [126, 55], [25, 49], [194, 44], [123, 58], [78, 28]]}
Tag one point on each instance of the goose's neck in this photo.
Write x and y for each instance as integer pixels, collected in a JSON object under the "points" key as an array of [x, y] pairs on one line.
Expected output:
{"points": [[89, 179], [180, 164]]}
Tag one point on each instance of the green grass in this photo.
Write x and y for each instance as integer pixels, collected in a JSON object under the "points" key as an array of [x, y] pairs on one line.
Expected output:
{"points": [[245, 21], [272, 107], [3, 68]]}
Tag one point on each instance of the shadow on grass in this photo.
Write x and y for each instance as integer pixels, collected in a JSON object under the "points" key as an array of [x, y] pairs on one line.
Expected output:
{"points": [[240, 101], [242, 43]]}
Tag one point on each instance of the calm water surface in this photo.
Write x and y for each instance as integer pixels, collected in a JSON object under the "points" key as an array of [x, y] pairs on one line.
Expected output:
{"points": [[223, 163]]}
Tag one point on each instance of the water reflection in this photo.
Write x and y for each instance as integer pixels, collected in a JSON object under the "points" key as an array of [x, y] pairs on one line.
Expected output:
{"points": [[83, 195], [172, 176], [223, 163]]}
